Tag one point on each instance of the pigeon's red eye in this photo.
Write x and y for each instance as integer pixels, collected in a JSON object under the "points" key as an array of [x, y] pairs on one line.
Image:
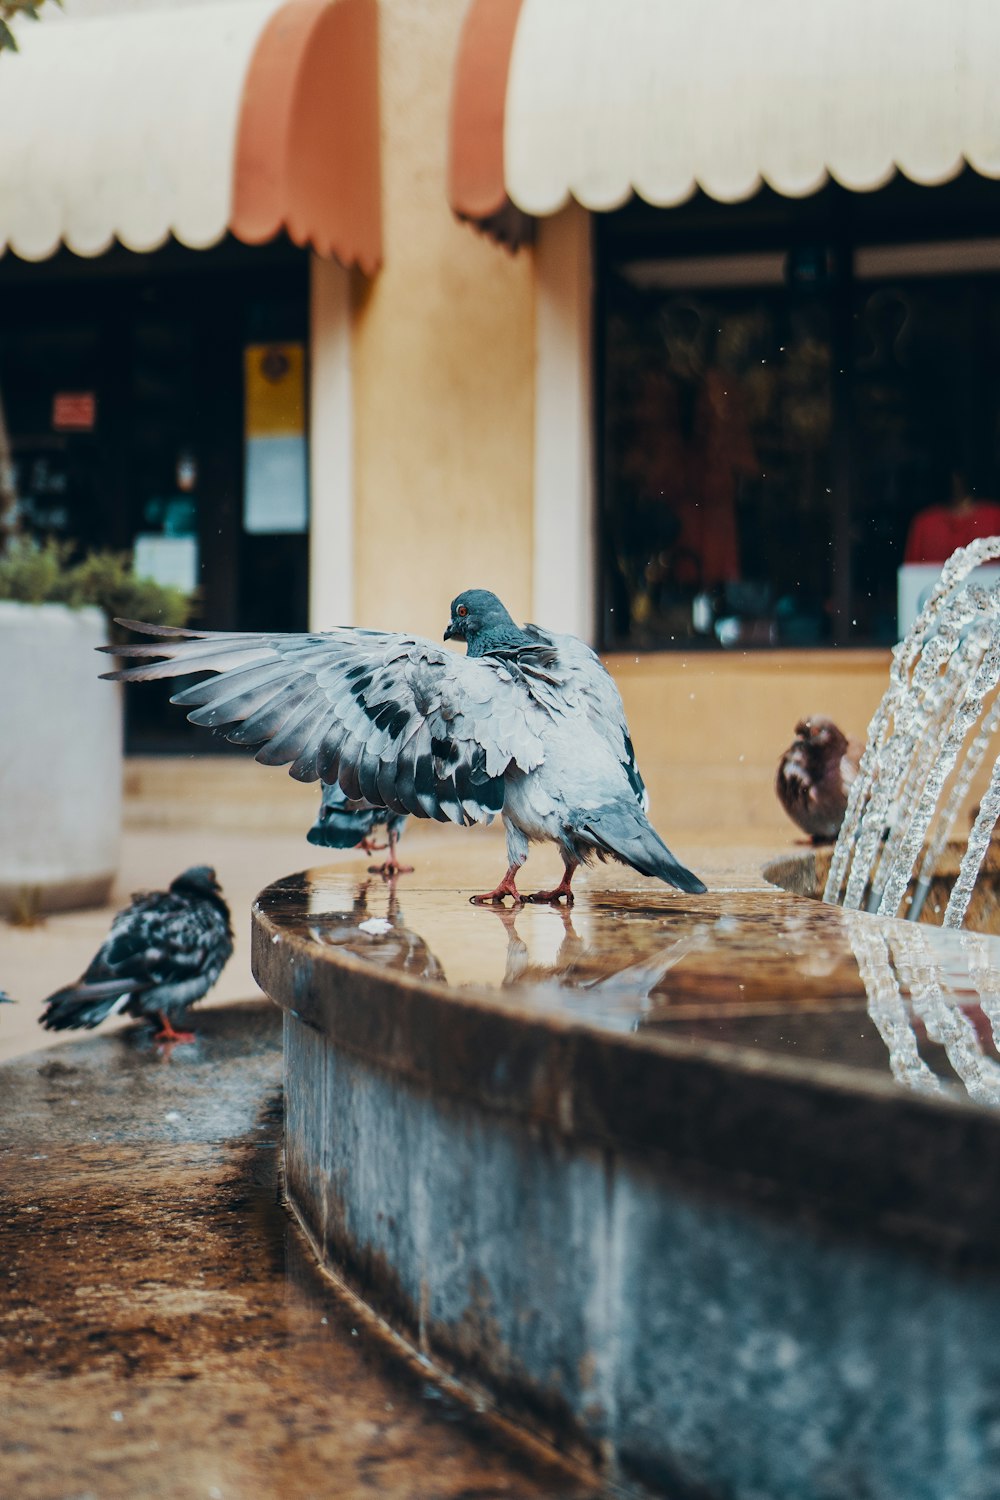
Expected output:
{"points": [[461, 610]]}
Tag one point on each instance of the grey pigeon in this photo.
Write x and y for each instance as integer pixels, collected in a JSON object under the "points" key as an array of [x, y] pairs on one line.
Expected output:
{"points": [[343, 824], [164, 951], [527, 723], [815, 775], [6, 999]]}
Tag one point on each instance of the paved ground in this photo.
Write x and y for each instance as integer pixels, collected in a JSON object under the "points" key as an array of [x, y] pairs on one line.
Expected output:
{"points": [[165, 1332]]}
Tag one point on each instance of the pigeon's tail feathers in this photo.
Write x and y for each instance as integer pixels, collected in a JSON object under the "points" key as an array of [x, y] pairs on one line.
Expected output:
{"points": [[340, 829], [87, 1004], [624, 833]]}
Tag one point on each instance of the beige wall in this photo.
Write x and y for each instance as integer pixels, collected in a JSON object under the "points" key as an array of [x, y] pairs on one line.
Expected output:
{"points": [[443, 363], [709, 729]]}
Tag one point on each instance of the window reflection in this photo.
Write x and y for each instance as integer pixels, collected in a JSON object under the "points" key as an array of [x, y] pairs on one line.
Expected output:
{"points": [[717, 467], [774, 453]]}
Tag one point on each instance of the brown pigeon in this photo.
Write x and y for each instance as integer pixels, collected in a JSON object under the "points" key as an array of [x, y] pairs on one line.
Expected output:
{"points": [[814, 776]]}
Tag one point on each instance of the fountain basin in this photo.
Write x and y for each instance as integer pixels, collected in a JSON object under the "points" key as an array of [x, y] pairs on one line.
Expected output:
{"points": [[804, 872], [678, 1185]]}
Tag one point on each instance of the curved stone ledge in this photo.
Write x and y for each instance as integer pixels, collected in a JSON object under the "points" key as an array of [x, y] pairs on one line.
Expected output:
{"points": [[803, 872], [678, 1198]]}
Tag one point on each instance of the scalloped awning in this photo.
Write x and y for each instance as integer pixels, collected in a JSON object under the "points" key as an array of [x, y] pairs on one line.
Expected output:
{"points": [[597, 99], [242, 118]]}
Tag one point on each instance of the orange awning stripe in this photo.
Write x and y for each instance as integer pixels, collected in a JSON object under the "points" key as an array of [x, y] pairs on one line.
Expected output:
{"points": [[476, 184], [134, 128], [307, 153]]}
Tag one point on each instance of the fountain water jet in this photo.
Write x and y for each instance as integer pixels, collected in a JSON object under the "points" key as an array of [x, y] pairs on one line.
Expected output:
{"points": [[926, 742]]}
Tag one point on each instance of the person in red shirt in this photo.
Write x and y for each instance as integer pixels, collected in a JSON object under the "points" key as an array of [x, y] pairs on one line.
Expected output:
{"points": [[936, 532]]}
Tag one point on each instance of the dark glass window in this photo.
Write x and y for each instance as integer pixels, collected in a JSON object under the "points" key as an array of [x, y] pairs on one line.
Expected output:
{"points": [[718, 465], [123, 387], [782, 389]]}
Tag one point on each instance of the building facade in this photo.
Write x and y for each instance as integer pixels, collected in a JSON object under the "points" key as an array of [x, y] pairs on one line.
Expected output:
{"points": [[671, 335]]}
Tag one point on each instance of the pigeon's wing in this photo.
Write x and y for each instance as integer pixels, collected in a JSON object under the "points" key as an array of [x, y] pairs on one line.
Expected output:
{"points": [[159, 938], [588, 681], [396, 720]]}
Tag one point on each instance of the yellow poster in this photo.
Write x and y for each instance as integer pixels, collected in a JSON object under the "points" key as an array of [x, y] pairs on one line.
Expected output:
{"points": [[275, 483], [275, 390]]}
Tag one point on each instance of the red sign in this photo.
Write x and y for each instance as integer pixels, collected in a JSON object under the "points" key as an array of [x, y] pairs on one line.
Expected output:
{"points": [[74, 411]]}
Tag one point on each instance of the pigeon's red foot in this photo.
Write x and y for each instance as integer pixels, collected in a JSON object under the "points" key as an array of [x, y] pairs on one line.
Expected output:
{"points": [[369, 846], [167, 1033], [561, 892], [507, 887], [552, 898]]}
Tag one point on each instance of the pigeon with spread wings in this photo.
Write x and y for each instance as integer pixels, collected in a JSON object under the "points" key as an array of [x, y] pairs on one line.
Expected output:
{"points": [[527, 723]]}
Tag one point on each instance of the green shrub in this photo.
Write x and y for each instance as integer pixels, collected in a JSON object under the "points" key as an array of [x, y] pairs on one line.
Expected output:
{"points": [[43, 573]]}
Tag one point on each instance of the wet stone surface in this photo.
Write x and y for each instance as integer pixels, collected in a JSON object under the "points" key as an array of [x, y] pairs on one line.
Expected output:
{"points": [[805, 987], [756, 1045], [163, 1328]]}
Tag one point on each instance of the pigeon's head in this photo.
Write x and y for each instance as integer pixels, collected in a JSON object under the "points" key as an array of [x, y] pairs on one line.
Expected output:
{"points": [[477, 613], [821, 733], [198, 881]]}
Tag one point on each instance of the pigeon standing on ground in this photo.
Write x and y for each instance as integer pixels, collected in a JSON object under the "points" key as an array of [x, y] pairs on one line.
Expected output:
{"points": [[343, 824], [527, 723], [815, 775], [164, 951]]}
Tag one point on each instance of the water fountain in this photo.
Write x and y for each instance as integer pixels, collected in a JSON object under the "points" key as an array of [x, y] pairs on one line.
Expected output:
{"points": [[688, 1186], [928, 739]]}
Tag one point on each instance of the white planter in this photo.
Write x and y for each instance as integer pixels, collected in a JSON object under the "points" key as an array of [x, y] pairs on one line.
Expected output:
{"points": [[60, 758]]}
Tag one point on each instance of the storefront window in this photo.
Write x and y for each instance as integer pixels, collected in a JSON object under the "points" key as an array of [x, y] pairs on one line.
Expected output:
{"points": [[782, 429], [124, 392], [718, 465]]}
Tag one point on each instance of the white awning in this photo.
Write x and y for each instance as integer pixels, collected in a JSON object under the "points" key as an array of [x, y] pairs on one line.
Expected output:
{"points": [[193, 122], [602, 98]]}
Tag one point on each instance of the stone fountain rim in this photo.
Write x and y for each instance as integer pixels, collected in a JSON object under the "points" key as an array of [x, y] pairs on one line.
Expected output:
{"points": [[847, 1146], [799, 872]]}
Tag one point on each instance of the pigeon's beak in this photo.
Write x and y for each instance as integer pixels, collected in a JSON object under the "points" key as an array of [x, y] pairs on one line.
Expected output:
{"points": [[449, 634]]}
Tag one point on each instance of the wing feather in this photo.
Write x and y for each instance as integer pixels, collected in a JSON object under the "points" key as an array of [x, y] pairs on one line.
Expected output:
{"points": [[395, 720], [586, 678]]}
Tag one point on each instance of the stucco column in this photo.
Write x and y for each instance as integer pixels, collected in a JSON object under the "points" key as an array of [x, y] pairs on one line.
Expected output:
{"points": [[564, 521], [331, 448], [443, 361]]}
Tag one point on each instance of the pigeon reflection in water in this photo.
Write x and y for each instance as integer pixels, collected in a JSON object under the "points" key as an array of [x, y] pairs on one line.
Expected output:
{"points": [[384, 941], [620, 999]]}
